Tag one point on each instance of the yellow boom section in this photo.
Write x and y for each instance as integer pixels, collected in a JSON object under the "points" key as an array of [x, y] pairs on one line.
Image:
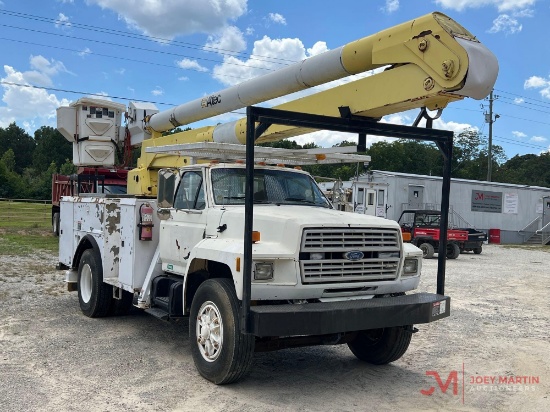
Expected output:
{"points": [[431, 61]]}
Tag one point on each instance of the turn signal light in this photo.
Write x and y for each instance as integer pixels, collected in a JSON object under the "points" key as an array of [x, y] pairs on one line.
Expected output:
{"points": [[255, 236]]}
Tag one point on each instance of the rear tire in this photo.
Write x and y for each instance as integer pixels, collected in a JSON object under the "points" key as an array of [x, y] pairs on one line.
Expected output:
{"points": [[222, 354], [453, 251], [477, 250], [55, 224], [381, 346], [94, 296], [427, 250]]}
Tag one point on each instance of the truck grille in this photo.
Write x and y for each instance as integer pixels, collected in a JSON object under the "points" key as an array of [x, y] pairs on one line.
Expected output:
{"points": [[335, 267]]}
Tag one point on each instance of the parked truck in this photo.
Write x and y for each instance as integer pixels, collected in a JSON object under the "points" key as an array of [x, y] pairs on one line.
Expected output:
{"points": [[248, 248]]}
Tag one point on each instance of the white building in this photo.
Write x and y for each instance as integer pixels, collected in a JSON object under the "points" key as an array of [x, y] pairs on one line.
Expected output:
{"points": [[515, 212]]}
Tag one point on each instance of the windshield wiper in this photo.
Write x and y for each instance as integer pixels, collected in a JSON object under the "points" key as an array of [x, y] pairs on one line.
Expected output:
{"points": [[299, 199]]}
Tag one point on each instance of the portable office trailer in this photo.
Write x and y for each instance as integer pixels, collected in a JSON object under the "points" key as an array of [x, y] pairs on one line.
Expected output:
{"points": [[515, 212]]}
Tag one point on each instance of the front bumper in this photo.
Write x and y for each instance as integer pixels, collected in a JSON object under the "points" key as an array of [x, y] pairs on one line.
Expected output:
{"points": [[347, 316]]}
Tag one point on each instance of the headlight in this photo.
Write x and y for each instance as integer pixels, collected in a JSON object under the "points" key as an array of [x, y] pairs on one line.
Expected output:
{"points": [[263, 271], [410, 267]]}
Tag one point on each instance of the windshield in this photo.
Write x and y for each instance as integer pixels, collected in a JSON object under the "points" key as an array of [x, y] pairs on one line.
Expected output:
{"points": [[113, 189], [270, 186]]}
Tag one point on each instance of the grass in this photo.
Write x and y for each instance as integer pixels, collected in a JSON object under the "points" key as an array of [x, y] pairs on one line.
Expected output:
{"points": [[26, 228]]}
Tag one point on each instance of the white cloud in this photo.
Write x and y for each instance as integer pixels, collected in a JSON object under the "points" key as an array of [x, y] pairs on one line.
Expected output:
{"points": [[157, 91], [249, 31], [66, 1], [84, 52], [536, 82], [120, 71], [62, 21], [327, 138], [391, 6], [169, 18], [318, 48], [501, 5], [519, 100], [188, 64], [26, 105], [538, 139], [102, 94], [505, 24], [271, 54], [519, 135], [229, 41], [277, 18], [183, 78], [524, 13], [48, 67]]}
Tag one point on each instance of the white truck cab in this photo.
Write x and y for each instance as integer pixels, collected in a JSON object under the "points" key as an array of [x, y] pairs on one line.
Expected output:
{"points": [[319, 275]]}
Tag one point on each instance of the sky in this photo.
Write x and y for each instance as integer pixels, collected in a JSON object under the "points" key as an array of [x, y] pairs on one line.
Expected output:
{"points": [[173, 51]]}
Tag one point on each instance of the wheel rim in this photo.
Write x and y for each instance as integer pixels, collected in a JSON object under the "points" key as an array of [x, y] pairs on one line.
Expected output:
{"points": [[373, 336], [86, 283], [424, 250], [209, 331]]}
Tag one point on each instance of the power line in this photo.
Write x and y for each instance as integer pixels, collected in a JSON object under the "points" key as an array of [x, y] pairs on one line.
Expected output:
{"points": [[109, 56], [126, 34], [131, 47], [528, 108], [97, 94], [82, 93], [523, 97]]}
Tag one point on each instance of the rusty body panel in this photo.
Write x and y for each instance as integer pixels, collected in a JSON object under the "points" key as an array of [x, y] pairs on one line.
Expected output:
{"points": [[113, 224]]}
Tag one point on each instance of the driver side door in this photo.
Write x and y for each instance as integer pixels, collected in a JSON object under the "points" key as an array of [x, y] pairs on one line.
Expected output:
{"points": [[187, 224]]}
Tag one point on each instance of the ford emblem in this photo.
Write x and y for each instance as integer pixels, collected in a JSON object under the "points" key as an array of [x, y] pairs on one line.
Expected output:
{"points": [[354, 255]]}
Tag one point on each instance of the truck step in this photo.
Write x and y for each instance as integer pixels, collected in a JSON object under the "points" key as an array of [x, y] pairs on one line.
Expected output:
{"points": [[158, 313]]}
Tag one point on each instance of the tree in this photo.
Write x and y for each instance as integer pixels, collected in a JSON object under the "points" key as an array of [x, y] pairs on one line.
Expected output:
{"points": [[470, 154], [67, 168], [8, 158], [51, 146], [406, 156], [15, 138]]}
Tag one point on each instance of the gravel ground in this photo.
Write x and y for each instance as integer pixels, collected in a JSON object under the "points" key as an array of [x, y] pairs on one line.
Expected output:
{"points": [[54, 358]]}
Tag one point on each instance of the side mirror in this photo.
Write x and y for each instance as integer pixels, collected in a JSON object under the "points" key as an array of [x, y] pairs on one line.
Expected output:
{"points": [[165, 192]]}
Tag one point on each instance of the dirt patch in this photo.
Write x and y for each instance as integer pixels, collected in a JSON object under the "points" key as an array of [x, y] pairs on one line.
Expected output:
{"points": [[54, 358]]}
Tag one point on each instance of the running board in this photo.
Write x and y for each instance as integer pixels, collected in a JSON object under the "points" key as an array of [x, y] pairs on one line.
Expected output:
{"points": [[158, 313]]}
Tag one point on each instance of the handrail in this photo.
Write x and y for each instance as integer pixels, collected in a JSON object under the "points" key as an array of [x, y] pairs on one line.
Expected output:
{"points": [[528, 227], [529, 231], [542, 230]]}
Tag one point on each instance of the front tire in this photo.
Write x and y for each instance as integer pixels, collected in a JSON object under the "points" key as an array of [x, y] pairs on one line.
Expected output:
{"points": [[381, 346], [477, 250], [94, 296], [427, 250], [222, 354]]}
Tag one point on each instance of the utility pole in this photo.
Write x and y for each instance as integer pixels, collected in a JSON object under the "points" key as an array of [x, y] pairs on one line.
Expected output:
{"points": [[489, 119]]}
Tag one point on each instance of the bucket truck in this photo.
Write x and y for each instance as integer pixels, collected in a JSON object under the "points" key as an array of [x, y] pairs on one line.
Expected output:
{"points": [[248, 247]]}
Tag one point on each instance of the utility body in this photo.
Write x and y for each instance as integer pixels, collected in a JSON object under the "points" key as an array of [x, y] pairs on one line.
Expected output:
{"points": [[243, 243], [86, 180]]}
